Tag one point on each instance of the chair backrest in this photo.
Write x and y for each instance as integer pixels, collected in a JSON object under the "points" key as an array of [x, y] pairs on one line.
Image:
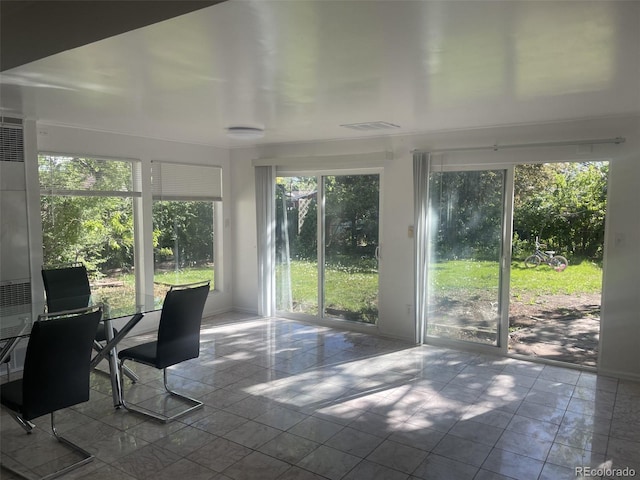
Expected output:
{"points": [[57, 362], [67, 288], [179, 329]]}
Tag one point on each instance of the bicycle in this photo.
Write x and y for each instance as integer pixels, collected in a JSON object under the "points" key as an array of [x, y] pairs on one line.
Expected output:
{"points": [[549, 257]]}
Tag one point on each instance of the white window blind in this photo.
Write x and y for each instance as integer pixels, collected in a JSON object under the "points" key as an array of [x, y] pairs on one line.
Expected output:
{"points": [[179, 181]]}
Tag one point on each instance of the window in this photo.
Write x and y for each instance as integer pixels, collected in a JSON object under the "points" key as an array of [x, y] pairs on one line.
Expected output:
{"points": [[328, 268], [87, 209], [183, 243], [90, 207], [185, 200]]}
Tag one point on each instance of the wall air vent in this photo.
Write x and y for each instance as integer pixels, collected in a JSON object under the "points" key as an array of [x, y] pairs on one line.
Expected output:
{"points": [[370, 126], [11, 140], [15, 293]]}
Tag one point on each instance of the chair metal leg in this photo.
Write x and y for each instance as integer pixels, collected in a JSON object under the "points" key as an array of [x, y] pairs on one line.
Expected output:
{"points": [[5, 355], [25, 424], [86, 456], [131, 374], [192, 402], [126, 370]]}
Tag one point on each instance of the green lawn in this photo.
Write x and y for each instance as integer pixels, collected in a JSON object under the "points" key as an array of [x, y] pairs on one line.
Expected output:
{"points": [[351, 290], [119, 290], [357, 292], [585, 277], [303, 284], [185, 276], [347, 290]]}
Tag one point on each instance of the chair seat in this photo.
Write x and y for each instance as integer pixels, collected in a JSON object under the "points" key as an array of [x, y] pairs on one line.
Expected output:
{"points": [[11, 394], [145, 353]]}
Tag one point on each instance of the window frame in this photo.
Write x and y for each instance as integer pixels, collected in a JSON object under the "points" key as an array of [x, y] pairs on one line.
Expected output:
{"points": [[143, 196], [135, 194], [215, 224]]}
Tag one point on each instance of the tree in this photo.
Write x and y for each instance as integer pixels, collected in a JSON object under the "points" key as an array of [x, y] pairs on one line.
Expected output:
{"points": [[531, 207], [564, 204], [350, 216], [183, 232], [296, 228], [468, 209], [351, 213], [98, 229], [95, 230]]}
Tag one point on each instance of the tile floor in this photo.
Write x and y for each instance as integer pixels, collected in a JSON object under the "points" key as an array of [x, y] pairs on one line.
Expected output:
{"points": [[287, 400]]}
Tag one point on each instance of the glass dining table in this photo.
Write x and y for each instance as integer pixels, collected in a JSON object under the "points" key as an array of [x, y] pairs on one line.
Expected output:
{"points": [[16, 322]]}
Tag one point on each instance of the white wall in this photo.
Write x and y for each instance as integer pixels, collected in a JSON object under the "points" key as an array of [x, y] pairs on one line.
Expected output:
{"points": [[620, 329], [244, 236], [620, 332], [56, 139], [620, 304]]}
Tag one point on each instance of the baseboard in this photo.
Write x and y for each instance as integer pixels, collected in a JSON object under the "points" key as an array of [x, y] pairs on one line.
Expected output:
{"points": [[218, 311], [634, 377], [250, 311]]}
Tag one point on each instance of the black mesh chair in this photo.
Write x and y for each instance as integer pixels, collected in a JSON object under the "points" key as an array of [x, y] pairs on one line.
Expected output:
{"points": [[178, 340], [68, 288], [56, 373]]}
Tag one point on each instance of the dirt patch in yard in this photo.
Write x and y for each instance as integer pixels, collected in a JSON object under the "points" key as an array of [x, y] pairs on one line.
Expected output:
{"points": [[556, 327]]}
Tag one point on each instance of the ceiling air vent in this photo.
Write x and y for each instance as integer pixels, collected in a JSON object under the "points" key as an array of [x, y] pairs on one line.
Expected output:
{"points": [[369, 126], [11, 140]]}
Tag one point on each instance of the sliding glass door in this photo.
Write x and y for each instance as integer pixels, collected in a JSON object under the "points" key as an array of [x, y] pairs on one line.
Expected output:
{"points": [[327, 246], [350, 276], [297, 245], [466, 210]]}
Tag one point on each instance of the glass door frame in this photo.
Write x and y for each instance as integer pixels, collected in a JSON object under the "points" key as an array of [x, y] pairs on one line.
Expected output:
{"points": [[319, 175], [505, 260]]}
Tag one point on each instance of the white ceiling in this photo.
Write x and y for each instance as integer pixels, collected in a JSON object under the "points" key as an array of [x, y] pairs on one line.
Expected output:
{"points": [[300, 69]]}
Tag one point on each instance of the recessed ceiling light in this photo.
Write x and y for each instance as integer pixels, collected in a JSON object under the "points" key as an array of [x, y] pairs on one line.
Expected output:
{"points": [[245, 133]]}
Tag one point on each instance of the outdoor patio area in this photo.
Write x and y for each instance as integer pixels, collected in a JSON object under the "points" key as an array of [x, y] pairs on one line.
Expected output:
{"points": [[565, 328]]}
